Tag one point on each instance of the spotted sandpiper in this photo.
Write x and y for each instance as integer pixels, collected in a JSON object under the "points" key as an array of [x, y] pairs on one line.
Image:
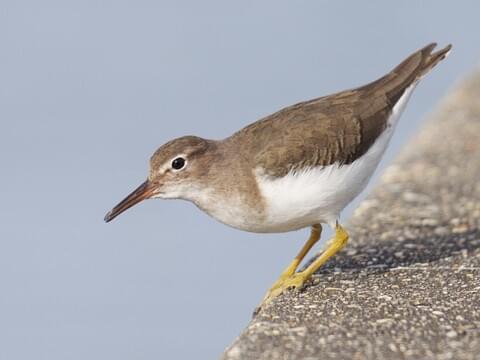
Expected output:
{"points": [[296, 168]]}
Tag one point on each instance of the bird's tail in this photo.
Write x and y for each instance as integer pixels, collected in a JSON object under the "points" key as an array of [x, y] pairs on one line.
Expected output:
{"points": [[421, 62], [409, 71]]}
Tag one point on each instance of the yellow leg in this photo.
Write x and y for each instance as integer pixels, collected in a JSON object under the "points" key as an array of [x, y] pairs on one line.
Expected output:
{"points": [[336, 244], [315, 233], [277, 287], [289, 279]]}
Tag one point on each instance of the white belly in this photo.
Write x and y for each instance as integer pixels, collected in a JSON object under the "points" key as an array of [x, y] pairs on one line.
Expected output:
{"points": [[318, 195]]}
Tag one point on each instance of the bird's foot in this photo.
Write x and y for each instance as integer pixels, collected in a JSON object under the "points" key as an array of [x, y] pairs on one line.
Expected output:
{"points": [[291, 282]]}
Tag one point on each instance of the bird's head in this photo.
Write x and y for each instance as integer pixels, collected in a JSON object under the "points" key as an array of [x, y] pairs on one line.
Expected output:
{"points": [[177, 169]]}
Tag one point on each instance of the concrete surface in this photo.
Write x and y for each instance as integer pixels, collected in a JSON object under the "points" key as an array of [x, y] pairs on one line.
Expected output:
{"points": [[407, 286]]}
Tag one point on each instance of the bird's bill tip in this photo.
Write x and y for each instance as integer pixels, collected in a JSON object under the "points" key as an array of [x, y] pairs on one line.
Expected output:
{"points": [[144, 191]]}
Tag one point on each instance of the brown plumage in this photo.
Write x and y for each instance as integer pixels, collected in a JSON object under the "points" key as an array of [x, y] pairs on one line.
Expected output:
{"points": [[337, 128]]}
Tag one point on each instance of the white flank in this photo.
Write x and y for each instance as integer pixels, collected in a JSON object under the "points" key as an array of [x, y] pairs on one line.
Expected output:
{"points": [[318, 195]]}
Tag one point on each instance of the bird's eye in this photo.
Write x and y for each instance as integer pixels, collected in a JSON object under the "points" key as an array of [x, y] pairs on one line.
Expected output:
{"points": [[178, 163]]}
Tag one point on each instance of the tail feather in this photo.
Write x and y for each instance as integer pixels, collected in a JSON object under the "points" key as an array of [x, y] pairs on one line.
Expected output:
{"points": [[422, 61], [411, 70], [407, 73]]}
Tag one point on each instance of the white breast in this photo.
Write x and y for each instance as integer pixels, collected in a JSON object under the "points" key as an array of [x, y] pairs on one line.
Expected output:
{"points": [[318, 195]]}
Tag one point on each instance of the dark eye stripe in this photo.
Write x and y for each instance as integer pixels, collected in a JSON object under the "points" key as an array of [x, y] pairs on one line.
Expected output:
{"points": [[178, 163]]}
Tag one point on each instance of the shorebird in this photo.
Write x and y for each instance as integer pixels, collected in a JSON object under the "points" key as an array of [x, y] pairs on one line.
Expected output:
{"points": [[296, 168]]}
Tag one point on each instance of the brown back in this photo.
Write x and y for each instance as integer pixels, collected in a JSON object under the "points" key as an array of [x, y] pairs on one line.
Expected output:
{"points": [[337, 128]]}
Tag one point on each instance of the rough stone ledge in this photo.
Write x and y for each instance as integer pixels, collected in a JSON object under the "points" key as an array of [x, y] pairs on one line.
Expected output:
{"points": [[408, 284]]}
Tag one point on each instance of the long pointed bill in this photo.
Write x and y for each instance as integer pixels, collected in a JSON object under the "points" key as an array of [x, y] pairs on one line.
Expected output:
{"points": [[144, 191]]}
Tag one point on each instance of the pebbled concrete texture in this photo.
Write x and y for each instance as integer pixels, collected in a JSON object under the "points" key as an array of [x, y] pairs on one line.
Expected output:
{"points": [[407, 286]]}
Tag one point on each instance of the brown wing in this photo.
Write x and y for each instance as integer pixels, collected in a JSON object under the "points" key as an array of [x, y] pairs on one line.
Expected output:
{"points": [[333, 129]]}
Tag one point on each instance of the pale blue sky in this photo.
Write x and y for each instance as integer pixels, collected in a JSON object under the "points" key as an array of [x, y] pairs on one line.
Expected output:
{"points": [[90, 89]]}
